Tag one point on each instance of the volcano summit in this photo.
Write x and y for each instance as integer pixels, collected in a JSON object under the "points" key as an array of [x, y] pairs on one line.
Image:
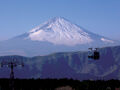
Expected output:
{"points": [[55, 35], [60, 31]]}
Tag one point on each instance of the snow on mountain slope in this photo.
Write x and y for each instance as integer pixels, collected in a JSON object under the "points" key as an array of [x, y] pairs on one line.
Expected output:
{"points": [[106, 40], [59, 31], [55, 35]]}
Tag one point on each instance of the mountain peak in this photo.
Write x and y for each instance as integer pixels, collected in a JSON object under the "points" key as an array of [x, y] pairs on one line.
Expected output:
{"points": [[53, 21], [55, 35], [60, 31], [58, 18]]}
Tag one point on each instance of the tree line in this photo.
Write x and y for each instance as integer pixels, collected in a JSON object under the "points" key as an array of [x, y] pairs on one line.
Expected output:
{"points": [[53, 84]]}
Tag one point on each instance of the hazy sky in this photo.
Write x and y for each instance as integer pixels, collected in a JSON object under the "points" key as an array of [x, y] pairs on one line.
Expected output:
{"points": [[99, 16]]}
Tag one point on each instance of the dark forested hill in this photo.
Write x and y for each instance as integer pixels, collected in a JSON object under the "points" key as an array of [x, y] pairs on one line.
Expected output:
{"points": [[75, 65]]}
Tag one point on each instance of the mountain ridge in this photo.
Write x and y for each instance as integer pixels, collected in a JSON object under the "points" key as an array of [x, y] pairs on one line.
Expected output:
{"points": [[55, 35], [75, 65], [62, 30]]}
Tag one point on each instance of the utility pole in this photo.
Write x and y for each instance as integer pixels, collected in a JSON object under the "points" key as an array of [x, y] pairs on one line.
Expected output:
{"points": [[11, 63]]}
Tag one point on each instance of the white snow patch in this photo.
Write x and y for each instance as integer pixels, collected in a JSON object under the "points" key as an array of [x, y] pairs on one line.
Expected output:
{"points": [[60, 32], [106, 40]]}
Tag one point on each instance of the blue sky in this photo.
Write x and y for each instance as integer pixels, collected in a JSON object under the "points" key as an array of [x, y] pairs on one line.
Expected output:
{"points": [[99, 16]]}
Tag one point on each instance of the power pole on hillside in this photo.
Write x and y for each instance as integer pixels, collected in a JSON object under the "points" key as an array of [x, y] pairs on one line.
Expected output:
{"points": [[11, 63]]}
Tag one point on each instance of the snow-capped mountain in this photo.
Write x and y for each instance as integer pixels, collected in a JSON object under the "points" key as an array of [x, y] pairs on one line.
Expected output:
{"points": [[55, 35], [60, 31]]}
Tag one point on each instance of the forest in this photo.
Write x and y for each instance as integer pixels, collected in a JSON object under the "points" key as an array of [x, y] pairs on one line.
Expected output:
{"points": [[59, 84]]}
